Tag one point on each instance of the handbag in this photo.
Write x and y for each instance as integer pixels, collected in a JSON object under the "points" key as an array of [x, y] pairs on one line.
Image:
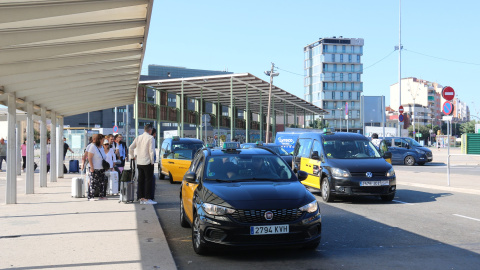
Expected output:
{"points": [[127, 174], [105, 164]]}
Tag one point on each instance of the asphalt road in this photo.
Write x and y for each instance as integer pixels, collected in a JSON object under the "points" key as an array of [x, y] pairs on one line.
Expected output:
{"points": [[420, 229]]}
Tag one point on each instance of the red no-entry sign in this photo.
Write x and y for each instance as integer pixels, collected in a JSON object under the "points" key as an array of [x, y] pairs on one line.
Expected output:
{"points": [[400, 109], [448, 93]]}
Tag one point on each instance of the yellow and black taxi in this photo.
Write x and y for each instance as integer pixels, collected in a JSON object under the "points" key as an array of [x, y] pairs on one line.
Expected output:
{"points": [[247, 198], [344, 164], [176, 154]]}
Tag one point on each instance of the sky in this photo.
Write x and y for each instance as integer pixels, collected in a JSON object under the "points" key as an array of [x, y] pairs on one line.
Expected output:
{"points": [[439, 39]]}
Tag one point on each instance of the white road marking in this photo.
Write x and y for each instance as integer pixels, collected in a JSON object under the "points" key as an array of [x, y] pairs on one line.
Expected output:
{"points": [[402, 202], [476, 219]]}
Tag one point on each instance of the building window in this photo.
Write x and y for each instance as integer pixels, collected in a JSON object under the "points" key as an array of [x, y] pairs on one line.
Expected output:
{"points": [[349, 77], [352, 68], [352, 49], [341, 58], [341, 76], [343, 48], [358, 95], [334, 67], [318, 96], [349, 95], [325, 48], [358, 77], [325, 104], [334, 86], [325, 67], [358, 58], [334, 48], [341, 95], [344, 67], [333, 57], [333, 95], [334, 104], [325, 86], [333, 76], [344, 86], [349, 58], [352, 86], [333, 113], [352, 104]]}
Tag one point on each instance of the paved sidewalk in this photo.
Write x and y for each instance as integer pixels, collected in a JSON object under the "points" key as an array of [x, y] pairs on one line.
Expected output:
{"points": [[52, 230]]}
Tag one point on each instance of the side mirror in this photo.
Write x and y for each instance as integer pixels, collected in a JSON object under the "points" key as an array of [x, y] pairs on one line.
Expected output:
{"points": [[302, 175], [190, 177], [387, 155], [315, 155]]}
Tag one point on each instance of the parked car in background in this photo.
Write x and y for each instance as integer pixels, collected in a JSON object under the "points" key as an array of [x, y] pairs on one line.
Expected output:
{"points": [[407, 151], [278, 149]]}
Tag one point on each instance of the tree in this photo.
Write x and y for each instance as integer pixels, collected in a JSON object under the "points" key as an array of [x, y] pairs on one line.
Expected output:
{"points": [[319, 124], [468, 127]]}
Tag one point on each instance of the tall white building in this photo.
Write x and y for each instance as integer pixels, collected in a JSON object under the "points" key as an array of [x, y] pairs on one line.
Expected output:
{"points": [[333, 70]]}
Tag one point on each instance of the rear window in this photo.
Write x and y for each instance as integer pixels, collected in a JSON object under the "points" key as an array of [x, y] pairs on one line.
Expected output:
{"points": [[184, 150]]}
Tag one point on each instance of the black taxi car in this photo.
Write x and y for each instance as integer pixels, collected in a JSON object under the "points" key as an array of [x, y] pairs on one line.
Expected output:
{"points": [[344, 164], [247, 197]]}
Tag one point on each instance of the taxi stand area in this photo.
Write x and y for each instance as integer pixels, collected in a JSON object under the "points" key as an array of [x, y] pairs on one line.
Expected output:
{"points": [[242, 91], [55, 58]]}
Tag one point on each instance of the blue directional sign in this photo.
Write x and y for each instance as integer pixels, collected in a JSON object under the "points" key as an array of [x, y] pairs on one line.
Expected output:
{"points": [[447, 108], [400, 118]]}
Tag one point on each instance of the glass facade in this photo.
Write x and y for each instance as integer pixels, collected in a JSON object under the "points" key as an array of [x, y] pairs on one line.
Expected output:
{"points": [[330, 83]]}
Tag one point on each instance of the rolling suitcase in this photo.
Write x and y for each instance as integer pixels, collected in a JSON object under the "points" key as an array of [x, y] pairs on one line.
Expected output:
{"points": [[112, 188], [73, 166], [78, 188], [127, 184]]}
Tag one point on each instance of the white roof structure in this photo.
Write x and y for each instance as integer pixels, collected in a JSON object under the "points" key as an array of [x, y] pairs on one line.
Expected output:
{"points": [[61, 55], [217, 88]]}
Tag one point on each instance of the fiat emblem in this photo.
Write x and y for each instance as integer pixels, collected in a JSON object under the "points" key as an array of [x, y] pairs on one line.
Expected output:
{"points": [[268, 215], [369, 174]]}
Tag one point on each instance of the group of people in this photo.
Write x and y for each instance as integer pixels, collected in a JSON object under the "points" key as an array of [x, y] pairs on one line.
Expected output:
{"points": [[104, 153]]}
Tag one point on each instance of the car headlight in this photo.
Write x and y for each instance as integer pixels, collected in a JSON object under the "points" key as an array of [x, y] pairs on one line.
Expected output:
{"points": [[390, 172], [216, 210], [340, 173], [310, 208], [420, 151]]}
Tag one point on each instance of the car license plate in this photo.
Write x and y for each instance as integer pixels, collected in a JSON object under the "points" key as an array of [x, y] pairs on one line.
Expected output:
{"points": [[269, 229], [374, 183]]}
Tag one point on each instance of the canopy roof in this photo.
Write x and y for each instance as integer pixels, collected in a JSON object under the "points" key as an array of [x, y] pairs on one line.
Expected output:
{"points": [[217, 88], [62, 55]]}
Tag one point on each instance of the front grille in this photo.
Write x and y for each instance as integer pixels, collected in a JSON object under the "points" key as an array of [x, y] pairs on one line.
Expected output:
{"points": [[429, 154], [258, 216], [364, 174]]}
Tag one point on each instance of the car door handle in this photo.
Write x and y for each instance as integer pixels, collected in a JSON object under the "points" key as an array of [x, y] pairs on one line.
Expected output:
{"points": [[171, 162]]}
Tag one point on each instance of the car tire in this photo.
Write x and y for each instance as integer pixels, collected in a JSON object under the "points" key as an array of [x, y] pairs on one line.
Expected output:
{"points": [[409, 161], [170, 178], [388, 198], [197, 238], [327, 195], [312, 245], [183, 219], [161, 176]]}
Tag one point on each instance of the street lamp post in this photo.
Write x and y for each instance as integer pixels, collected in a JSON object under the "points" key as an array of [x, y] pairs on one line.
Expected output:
{"points": [[271, 74]]}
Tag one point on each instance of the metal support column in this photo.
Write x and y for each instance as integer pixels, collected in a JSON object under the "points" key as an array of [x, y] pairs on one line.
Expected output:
{"points": [[198, 119], [182, 112], [274, 122], [232, 109], [295, 122], [219, 114], [261, 118], [159, 123], [135, 113], [53, 147], [19, 148], [304, 119], [11, 188], [61, 161], [29, 181], [43, 148], [247, 117], [284, 115], [201, 116]]}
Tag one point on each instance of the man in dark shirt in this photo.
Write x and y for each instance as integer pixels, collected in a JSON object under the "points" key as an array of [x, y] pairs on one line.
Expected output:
{"points": [[66, 147]]}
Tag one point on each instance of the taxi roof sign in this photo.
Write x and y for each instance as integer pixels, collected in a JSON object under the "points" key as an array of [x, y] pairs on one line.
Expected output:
{"points": [[210, 145], [231, 145], [176, 138], [259, 143]]}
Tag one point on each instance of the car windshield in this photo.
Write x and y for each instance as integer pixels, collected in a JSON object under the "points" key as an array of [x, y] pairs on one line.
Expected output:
{"points": [[412, 142], [244, 167], [277, 149], [185, 150], [350, 149]]}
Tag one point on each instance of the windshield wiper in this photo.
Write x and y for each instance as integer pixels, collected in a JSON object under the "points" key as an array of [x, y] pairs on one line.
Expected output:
{"points": [[218, 180]]}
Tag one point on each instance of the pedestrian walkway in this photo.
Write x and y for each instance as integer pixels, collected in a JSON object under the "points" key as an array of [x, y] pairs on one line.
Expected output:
{"points": [[52, 230]]}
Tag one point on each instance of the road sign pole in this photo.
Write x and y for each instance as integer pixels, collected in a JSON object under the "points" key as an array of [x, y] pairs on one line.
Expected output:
{"points": [[449, 123]]}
